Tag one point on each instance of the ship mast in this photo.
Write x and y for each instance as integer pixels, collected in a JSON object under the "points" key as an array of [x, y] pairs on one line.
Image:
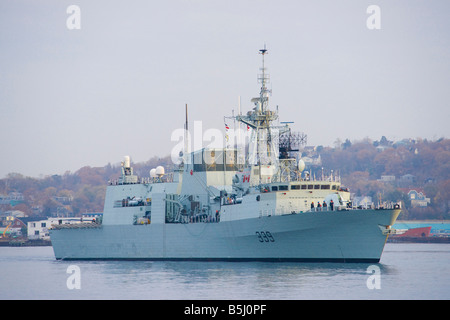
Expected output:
{"points": [[263, 146], [263, 95]]}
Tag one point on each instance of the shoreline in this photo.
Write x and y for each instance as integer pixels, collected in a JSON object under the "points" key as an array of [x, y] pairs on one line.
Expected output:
{"points": [[25, 243]]}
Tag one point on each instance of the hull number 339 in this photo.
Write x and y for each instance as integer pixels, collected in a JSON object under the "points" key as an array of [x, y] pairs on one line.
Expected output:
{"points": [[265, 236]]}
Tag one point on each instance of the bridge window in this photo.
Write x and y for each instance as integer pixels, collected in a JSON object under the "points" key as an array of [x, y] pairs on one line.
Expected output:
{"points": [[215, 160]]}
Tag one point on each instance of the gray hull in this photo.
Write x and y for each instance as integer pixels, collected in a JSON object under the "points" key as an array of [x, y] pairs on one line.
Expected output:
{"points": [[339, 236]]}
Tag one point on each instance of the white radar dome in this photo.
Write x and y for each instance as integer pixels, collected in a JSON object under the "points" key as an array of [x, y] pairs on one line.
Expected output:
{"points": [[153, 173], [159, 170]]}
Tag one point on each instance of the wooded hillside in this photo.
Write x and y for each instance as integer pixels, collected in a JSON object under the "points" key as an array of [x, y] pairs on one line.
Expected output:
{"points": [[420, 165]]}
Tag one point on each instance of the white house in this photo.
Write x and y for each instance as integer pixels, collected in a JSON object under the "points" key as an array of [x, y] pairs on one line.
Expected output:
{"points": [[418, 199], [39, 229]]}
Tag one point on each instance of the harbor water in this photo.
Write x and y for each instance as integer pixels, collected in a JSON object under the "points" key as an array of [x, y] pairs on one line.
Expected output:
{"points": [[406, 271]]}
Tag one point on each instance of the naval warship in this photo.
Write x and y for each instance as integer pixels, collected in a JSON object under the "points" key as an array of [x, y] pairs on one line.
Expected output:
{"points": [[252, 203]]}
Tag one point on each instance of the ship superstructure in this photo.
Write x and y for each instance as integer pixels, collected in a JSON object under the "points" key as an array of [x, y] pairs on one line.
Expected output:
{"points": [[214, 206]]}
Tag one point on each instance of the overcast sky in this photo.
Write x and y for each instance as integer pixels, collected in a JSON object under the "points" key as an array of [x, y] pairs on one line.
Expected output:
{"points": [[118, 85]]}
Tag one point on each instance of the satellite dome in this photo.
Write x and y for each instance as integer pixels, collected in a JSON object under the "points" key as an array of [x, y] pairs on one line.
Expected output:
{"points": [[159, 170]]}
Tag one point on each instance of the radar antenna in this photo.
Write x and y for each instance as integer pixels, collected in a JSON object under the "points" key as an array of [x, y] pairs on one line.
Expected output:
{"points": [[291, 142]]}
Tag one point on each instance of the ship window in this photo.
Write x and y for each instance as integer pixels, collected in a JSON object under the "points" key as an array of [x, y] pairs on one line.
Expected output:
{"points": [[333, 187], [283, 188], [214, 161], [199, 163], [230, 160], [274, 188], [325, 186], [295, 187], [317, 186], [303, 186], [310, 186]]}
